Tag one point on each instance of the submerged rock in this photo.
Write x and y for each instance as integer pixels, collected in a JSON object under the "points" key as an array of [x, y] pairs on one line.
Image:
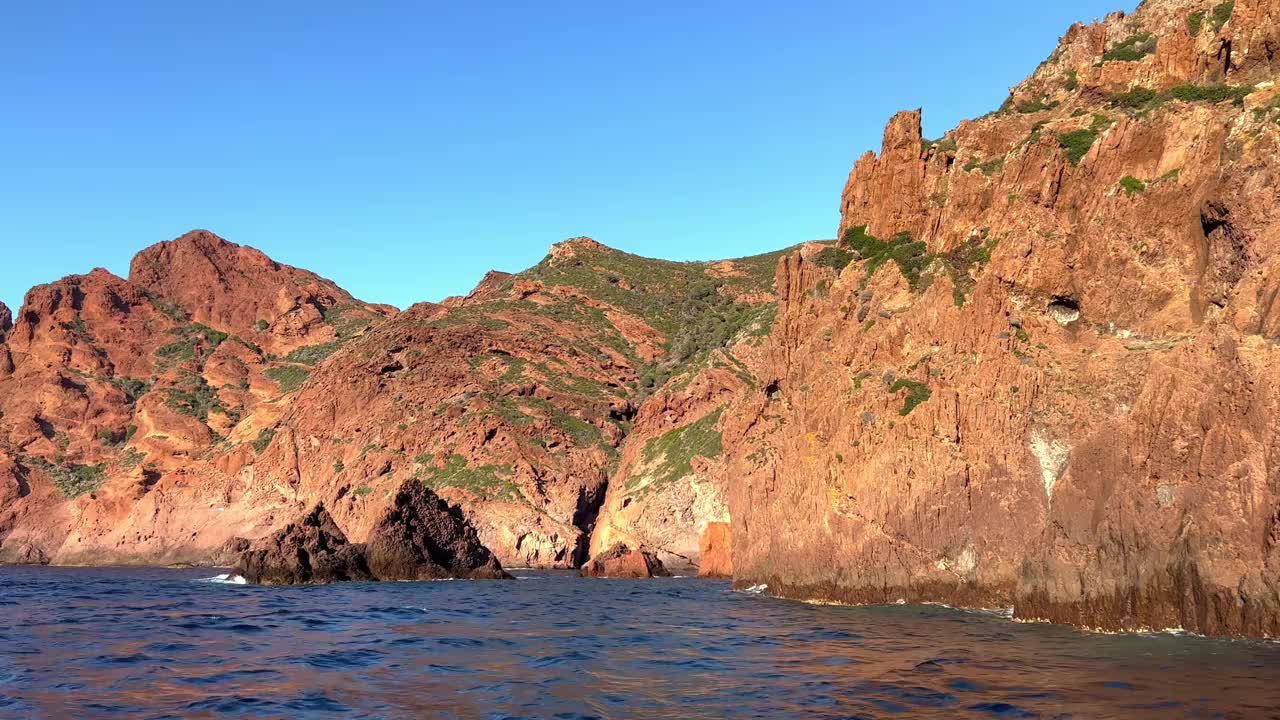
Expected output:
{"points": [[620, 561], [425, 538], [310, 551]]}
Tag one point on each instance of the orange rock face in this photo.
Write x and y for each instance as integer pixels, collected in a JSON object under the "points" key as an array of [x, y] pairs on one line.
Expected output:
{"points": [[1046, 377], [715, 551], [222, 285], [217, 395], [621, 561], [116, 395]]}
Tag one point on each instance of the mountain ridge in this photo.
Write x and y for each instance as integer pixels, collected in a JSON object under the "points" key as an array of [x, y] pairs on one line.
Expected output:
{"points": [[244, 410]]}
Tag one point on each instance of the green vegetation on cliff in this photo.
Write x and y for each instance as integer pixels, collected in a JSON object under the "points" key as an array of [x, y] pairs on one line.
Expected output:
{"points": [[193, 341], [1078, 142], [697, 306], [288, 377], [917, 264], [193, 396], [73, 480], [911, 256], [669, 456], [1134, 47], [492, 482], [1132, 185], [314, 354], [1141, 99], [1222, 13], [917, 392]]}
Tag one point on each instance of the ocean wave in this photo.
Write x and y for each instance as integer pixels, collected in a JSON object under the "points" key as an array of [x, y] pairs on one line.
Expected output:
{"points": [[227, 579]]}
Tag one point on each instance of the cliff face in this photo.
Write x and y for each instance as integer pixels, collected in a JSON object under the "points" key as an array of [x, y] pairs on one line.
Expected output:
{"points": [[216, 395], [279, 308], [112, 394], [1046, 377], [515, 402]]}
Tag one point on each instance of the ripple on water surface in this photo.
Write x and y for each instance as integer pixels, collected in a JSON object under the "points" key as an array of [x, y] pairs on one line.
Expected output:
{"points": [[170, 643]]}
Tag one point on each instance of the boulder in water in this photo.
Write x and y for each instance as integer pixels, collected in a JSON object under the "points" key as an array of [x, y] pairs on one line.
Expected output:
{"points": [[621, 561], [422, 537], [310, 551]]}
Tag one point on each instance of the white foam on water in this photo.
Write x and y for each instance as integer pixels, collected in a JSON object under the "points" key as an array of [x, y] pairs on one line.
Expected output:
{"points": [[756, 589], [1005, 612], [227, 579]]}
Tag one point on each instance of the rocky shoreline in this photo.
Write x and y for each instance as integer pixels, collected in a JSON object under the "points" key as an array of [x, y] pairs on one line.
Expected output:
{"points": [[1038, 368]]}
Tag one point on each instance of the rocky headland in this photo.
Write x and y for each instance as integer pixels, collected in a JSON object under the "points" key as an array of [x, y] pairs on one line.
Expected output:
{"points": [[1036, 369], [1039, 371]]}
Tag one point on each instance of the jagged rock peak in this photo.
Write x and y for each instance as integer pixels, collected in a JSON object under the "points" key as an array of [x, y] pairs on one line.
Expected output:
{"points": [[6, 320], [576, 246], [1162, 44], [486, 289], [310, 551], [239, 289], [422, 537], [72, 291], [200, 248]]}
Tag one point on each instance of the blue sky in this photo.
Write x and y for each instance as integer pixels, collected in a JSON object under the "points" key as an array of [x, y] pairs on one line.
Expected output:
{"points": [[404, 148]]}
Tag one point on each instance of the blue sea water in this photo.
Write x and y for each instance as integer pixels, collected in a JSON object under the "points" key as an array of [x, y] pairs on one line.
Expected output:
{"points": [[153, 643]]}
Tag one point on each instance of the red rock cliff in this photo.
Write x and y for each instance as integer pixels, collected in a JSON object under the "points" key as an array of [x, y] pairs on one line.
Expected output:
{"points": [[1047, 376], [113, 396]]}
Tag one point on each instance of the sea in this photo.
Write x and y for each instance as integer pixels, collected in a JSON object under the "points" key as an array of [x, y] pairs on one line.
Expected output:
{"points": [[189, 643]]}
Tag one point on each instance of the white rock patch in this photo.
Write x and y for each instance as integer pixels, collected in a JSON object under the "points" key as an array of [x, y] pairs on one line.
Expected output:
{"points": [[1052, 455]]}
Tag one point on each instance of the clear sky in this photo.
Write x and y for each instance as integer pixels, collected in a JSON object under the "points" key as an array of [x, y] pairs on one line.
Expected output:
{"points": [[404, 148]]}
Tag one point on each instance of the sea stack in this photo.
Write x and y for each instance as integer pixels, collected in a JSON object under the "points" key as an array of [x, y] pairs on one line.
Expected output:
{"points": [[421, 537]]}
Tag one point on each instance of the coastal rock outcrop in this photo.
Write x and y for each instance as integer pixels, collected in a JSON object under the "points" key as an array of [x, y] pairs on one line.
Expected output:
{"points": [[1039, 370], [130, 421], [424, 538], [157, 418], [622, 561], [715, 551], [421, 537], [310, 551]]}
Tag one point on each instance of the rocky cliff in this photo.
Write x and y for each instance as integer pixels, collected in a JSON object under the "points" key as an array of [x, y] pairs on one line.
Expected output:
{"points": [[1039, 370], [216, 395], [118, 396], [1036, 370], [519, 401]]}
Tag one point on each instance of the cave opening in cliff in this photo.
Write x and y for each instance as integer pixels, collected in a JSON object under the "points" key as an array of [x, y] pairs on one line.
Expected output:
{"points": [[1209, 223], [1063, 309], [772, 391]]}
